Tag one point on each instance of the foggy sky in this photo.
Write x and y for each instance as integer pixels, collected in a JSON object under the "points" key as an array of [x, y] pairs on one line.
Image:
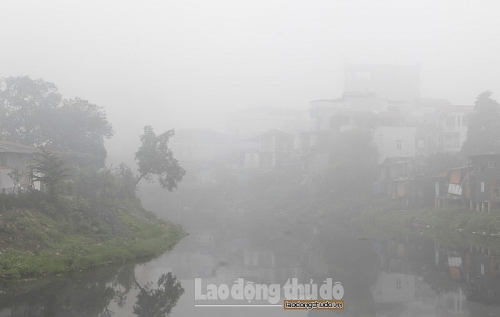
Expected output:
{"points": [[184, 63]]}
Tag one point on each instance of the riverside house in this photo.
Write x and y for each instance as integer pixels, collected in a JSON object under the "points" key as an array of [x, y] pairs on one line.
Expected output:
{"points": [[15, 157], [484, 182]]}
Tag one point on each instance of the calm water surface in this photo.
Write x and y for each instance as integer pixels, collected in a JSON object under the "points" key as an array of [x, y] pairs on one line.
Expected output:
{"points": [[382, 275]]}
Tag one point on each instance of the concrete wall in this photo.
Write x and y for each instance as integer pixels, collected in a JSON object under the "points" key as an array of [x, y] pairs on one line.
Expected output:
{"points": [[388, 138]]}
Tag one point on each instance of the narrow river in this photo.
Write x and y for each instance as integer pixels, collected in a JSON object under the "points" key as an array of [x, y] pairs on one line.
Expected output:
{"points": [[381, 274]]}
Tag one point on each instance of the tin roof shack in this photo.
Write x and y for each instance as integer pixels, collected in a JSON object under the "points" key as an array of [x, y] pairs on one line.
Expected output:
{"points": [[15, 158], [484, 182], [451, 187], [398, 180]]}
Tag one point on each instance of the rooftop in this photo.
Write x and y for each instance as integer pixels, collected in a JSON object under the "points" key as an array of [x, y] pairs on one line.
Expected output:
{"points": [[13, 147]]}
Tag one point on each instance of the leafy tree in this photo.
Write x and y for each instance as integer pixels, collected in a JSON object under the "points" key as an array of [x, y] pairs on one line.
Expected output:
{"points": [[126, 182], [28, 107], [92, 182], [347, 185], [439, 163], [33, 112], [154, 157], [81, 127], [51, 170], [483, 135], [15, 175], [158, 302], [353, 162], [354, 147]]}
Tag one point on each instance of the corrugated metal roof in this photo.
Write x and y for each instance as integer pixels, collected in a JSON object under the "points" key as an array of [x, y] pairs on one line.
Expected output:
{"points": [[455, 176], [454, 261], [12, 147]]}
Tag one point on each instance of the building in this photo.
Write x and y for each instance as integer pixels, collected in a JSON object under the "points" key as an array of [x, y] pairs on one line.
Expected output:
{"points": [[397, 180], [451, 187], [484, 182], [394, 142], [392, 82], [202, 152], [268, 150], [320, 112], [252, 121], [453, 126], [15, 158]]}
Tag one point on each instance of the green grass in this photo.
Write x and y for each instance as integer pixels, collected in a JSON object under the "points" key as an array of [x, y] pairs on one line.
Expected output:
{"points": [[34, 243], [454, 227], [452, 218]]}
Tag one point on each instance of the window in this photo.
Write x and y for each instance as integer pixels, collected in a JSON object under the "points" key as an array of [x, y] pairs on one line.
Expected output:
{"points": [[450, 121], [455, 140], [482, 269], [482, 187], [361, 74], [447, 141], [398, 283], [465, 121], [492, 164], [399, 144]]}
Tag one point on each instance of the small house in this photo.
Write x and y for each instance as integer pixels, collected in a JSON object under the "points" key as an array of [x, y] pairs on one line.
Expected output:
{"points": [[15, 158], [484, 182]]}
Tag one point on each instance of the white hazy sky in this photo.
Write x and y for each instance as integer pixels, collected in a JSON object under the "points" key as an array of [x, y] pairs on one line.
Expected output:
{"points": [[185, 63]]}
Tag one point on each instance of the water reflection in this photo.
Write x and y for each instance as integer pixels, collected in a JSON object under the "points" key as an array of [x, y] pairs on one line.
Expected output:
{"points": [[90, 294], [412, 274], [424, 277], [158, 302]]}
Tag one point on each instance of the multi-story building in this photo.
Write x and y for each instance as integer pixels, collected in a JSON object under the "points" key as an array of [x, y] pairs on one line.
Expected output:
{"points": [[484, 180], [268, 150], [249, 122], [392, 82], [201, 152]]}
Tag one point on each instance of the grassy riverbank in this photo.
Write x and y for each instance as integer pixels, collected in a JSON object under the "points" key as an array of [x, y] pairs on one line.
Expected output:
{"points": [[40, 238], [453, 218], [454, 227]]}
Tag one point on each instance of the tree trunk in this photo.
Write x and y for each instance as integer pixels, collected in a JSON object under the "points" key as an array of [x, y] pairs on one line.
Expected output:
{"points": [[139, 179]]}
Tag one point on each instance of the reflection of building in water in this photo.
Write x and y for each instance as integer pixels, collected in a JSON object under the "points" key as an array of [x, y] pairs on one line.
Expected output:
{"points": [[394, 284], [453, 302], [484, 276], [394, 288], [236, 258], [271, 268], [417, 278], [190, 265], [474, 267]]}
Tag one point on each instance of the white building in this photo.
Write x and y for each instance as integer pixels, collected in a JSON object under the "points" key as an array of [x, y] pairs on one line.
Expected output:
{"points": [[394, 142], [454, 126], [249, 122], [394, 288]]}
